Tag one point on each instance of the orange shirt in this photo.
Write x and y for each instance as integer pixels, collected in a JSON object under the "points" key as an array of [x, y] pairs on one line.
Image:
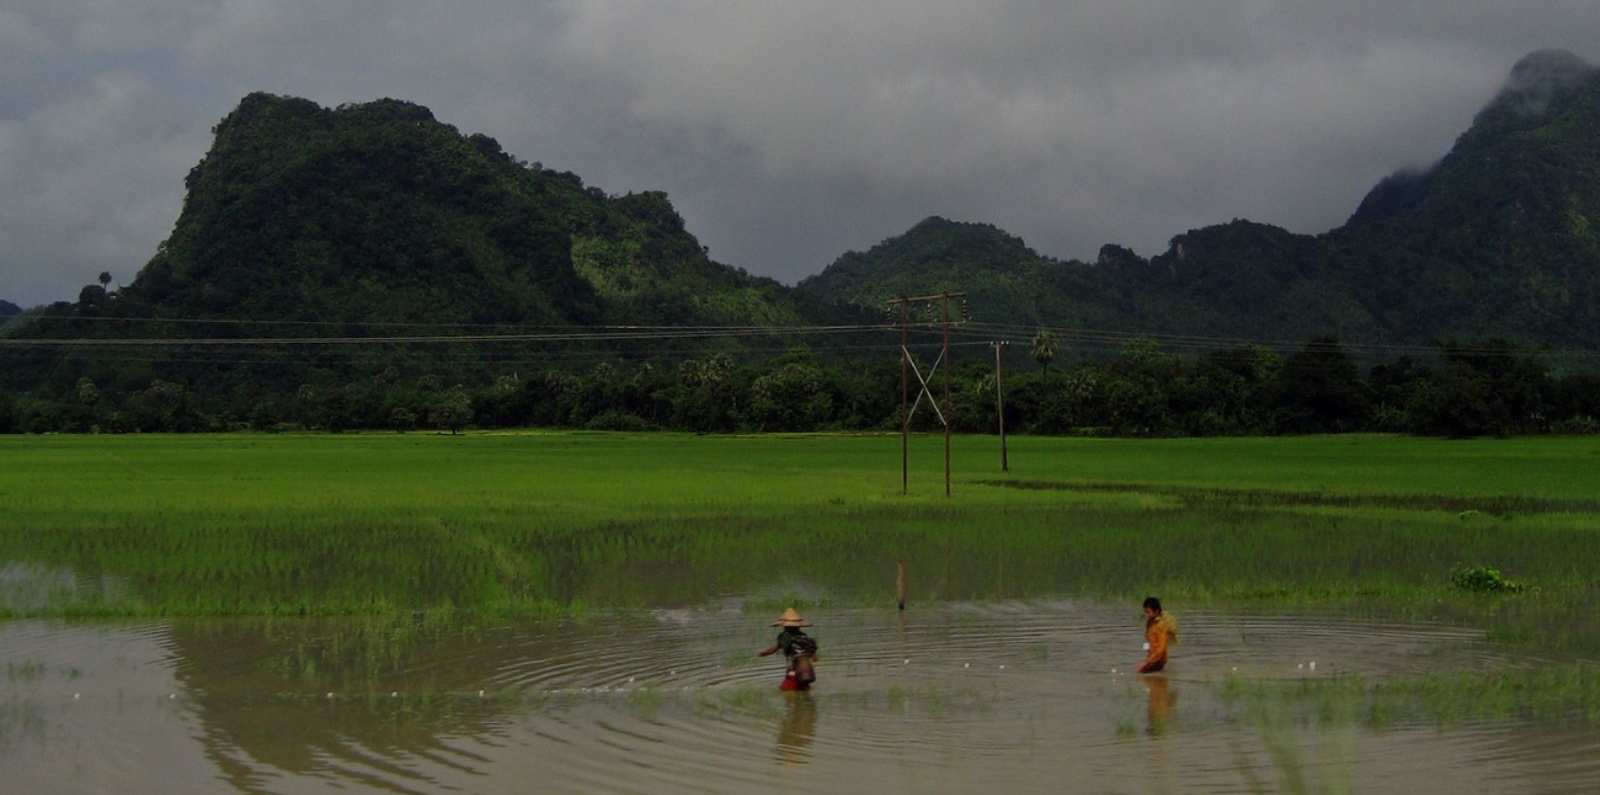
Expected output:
{"points": [[1161, 631]]}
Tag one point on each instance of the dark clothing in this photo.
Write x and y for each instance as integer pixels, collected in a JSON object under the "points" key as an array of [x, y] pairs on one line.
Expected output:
{"points": [[794, 643], [798, 648]]}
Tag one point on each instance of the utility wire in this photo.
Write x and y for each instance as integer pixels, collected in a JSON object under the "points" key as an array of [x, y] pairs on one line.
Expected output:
{"points": [[980, 332], [605, 334]]}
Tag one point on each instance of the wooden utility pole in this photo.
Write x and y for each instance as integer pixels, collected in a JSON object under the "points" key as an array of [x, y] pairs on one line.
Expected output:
{"points": [[940, 408], [1000, 403], [905, 411], [944, 323]]}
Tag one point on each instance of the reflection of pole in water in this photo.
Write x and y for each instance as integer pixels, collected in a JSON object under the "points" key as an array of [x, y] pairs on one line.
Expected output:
{"points": [[901, 636], [900, 586], [798, 727]]}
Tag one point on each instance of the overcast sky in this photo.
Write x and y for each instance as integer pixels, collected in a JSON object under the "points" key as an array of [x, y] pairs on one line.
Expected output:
{"points": [[786, 132]]}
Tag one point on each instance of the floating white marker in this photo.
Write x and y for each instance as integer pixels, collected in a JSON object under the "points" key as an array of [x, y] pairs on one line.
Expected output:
{"points": [[908, 661], [1113, 670], [75, 696], [172, 696], [394, 694], [966, 665], [1313, 665], [1002, 667], [330, 694], [1300, 667], [480, 694]]}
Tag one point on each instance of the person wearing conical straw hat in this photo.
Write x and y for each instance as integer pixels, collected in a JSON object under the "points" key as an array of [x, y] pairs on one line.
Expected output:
{"points": [[799, 649]]}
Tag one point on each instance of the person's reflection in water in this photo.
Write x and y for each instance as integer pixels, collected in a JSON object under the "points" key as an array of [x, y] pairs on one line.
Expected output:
{"points": [[798, 727], [1161, 701]]}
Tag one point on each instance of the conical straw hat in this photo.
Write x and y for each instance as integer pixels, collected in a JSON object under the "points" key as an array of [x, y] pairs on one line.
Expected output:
{"points": [[791, 618]]}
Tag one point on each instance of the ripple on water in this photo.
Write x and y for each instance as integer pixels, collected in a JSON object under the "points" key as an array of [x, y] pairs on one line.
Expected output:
{"points": [[1013, 696]]}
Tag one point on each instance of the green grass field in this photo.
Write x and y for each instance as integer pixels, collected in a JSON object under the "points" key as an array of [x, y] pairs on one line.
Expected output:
{"points": [[541, 523]]}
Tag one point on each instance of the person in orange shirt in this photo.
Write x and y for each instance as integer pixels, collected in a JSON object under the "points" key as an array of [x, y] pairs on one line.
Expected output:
{"points": [[1160, 632]]}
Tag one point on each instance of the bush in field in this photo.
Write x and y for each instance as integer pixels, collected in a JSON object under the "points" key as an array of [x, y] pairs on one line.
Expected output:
{"points": [[1483, 579]]}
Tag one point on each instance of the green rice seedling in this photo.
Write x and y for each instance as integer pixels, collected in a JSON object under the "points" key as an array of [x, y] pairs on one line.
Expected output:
{"points": [[645, 700], [27, 671], [21, 719], [490, 527], [1560, 695]]}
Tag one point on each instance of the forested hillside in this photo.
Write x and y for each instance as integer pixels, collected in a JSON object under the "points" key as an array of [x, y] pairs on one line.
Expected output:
{"points": [[1498, 239], [372, 241], [1500, 236]]}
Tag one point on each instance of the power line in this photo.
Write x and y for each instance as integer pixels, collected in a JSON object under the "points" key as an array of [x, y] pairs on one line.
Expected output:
{"points": [[1106, 339], [980, 334], [604, 334]]}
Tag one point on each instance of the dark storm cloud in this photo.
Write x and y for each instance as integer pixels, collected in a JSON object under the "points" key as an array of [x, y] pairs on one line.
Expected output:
{"points": [[786, 133]]}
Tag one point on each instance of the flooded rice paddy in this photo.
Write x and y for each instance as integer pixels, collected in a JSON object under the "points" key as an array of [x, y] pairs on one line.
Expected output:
{"points": [[1005, 696]]}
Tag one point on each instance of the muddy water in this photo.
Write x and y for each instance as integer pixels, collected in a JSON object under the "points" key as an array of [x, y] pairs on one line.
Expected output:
{"points": [[1012, 697]]}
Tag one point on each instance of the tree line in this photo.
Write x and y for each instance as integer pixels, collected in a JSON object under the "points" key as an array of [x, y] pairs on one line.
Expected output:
{"points": [[1480, 388]]}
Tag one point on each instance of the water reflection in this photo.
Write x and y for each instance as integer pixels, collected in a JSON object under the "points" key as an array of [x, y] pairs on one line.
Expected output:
{"points": [[26, 587], [999, 696], [1159, 709], [799, 725]]}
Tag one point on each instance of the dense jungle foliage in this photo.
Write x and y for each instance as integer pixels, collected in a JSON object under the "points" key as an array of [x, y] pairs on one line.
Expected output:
{"points": [[1485, 388]]}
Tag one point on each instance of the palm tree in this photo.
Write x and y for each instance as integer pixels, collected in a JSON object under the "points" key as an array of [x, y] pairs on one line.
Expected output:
{"points": [[1044, 351]]}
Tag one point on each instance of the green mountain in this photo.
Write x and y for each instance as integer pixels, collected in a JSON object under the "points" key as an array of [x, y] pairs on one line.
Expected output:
{"points": [[395, 235], [1235, 279], [1501, 233], [378, 213], [1497, 239]]}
